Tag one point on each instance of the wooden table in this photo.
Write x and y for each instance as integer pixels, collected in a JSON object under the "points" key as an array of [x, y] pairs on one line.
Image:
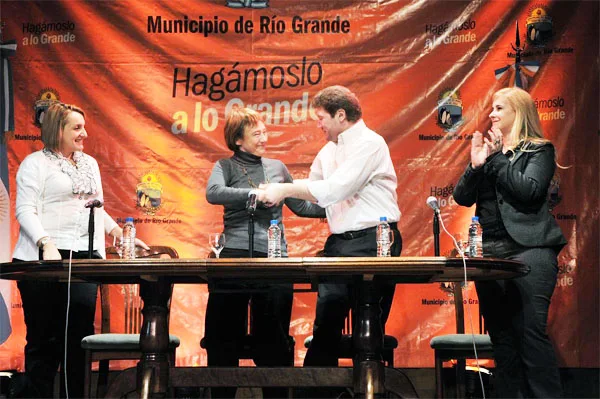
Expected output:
{"points": [[368, 378]]}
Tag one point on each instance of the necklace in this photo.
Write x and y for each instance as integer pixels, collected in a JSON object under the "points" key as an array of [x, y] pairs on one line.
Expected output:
{"points": [[242, 159], [250, 181]]}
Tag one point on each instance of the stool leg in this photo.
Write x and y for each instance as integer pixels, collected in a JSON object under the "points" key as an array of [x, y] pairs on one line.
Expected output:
{"points": [[172, 357], [461, 364], [87, 379], [102, 379], [439, 385]]}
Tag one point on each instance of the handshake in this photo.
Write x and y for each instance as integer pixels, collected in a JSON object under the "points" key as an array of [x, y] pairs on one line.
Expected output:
{"points": [[271, 194], [266, 195]]}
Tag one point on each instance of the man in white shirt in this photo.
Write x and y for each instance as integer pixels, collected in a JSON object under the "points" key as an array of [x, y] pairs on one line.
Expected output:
{"points": [[354, 179]]}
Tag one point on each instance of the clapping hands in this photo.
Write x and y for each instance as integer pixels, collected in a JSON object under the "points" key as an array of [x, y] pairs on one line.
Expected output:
{"points": [[482, 147]]}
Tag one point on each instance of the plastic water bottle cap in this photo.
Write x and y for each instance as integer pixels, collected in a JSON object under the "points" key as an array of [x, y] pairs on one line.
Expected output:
{"points": [[475, 219], [128, 219], [273, 222], [383, 219]]}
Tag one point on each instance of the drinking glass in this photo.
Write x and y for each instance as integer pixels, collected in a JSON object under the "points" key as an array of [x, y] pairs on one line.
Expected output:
{"points": [[463, 243], [216, 242]]}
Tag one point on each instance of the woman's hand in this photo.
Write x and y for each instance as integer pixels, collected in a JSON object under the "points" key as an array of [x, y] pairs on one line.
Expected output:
{"points": [[50, 252], [479, 151], [117, 233], [496, 141], [140, 243]]}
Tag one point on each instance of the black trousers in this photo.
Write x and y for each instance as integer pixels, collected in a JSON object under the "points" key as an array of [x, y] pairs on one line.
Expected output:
{"points": [[226, 324], [335, 300], [515, 313], [44, 308]]}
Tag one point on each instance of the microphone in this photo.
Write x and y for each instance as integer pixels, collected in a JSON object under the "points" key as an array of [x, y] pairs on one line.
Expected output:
{"points": [[252, 202], [94, 203], [432, 202]]}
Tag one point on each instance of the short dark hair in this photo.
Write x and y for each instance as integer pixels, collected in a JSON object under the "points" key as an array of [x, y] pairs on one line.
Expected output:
{"points": [[333, 98], [55, 120], [237, 122]]}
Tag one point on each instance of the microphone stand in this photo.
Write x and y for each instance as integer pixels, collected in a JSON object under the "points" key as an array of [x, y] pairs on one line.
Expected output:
{"points": [[250, 208], [250, 233], [436, 233], [91, 233]]}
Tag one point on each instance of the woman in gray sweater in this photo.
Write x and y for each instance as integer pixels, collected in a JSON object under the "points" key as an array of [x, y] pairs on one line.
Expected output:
{"points": [[230, 184]]}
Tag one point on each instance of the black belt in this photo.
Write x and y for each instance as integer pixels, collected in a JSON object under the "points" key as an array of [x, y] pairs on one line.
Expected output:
{"points": [[350, 235]]}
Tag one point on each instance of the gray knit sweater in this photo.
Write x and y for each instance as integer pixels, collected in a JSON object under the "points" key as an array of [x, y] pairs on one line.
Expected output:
{"points": [[229, 184]]}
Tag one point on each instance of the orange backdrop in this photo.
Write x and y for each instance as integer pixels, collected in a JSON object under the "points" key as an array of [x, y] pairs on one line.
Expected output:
{"points": [[155, 92]]}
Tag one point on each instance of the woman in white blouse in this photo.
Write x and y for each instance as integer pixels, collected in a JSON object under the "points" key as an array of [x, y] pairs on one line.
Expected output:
{"points": [[53, 187]]}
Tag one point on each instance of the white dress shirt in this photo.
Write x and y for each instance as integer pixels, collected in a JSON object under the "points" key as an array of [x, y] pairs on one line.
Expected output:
{"points": [[355, 180], [46, 206]]}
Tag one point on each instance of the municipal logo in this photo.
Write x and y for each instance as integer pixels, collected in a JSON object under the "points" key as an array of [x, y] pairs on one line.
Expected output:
{"points": [[449, 110], [521, 72], [45, 98], [539, 27], [247, 4], [149, 194]]}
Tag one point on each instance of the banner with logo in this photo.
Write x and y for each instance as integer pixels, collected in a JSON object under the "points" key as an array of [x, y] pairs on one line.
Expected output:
{"points": [[156, 80], [5, 247], [7, 121]]}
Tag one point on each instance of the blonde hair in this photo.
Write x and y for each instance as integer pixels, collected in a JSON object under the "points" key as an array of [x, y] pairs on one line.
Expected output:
{"points": [[55, 120], [527, 127], [238, 121]]}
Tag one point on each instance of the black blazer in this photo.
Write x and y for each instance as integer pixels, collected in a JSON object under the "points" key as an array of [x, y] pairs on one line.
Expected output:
{"points": [[521, 193]]}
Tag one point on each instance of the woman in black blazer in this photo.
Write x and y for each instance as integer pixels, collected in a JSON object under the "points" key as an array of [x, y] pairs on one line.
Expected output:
{"points": [[508, 180]]}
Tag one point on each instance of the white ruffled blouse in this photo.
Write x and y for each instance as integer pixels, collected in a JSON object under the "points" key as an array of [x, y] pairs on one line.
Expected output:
{"points": [[51, 198]]}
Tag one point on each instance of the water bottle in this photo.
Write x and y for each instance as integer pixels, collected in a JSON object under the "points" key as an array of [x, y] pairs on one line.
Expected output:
{"points": [[475, 239], [384, 234], [274, 244], [128, 239]]}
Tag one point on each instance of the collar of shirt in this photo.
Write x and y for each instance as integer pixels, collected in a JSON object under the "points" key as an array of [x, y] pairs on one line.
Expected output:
{"points": [[351, 207], [352, 132]]}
